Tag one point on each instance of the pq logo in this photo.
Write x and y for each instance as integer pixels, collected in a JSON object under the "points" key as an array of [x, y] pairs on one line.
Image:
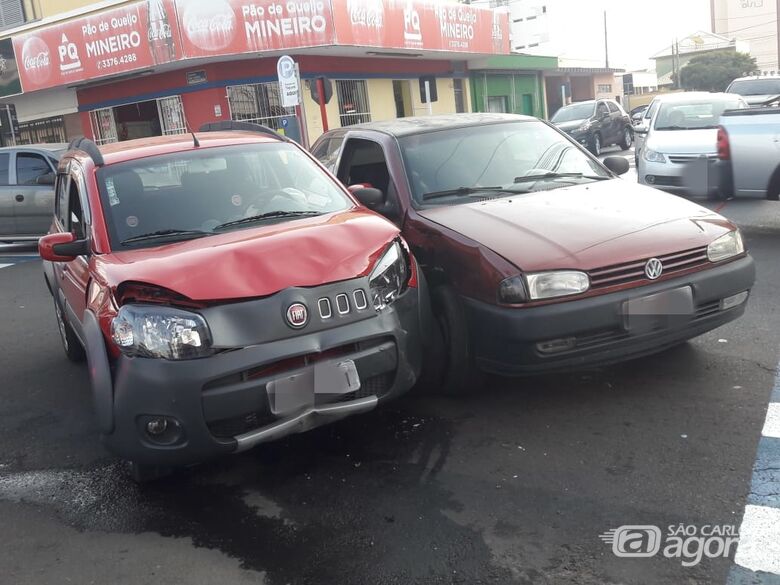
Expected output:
{"points": [[69, 55], [412, 27], [637, 541]]}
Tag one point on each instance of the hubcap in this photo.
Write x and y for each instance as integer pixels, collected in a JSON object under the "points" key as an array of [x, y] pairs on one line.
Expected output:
{"points": [[61, 326], [628, 138], [597, 145]]}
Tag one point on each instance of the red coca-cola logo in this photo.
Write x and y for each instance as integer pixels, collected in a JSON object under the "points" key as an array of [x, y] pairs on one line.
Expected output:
{"points": [[369, 14], [36, 60], [209, 24]]}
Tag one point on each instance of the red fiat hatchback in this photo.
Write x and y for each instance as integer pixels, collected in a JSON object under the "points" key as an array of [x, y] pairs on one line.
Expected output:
{"points": [[226, 291]]}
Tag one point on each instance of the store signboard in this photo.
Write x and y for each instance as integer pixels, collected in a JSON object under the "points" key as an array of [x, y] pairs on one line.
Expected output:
{"points": [[9, 73], [226, 27], [430, 26], [134, 36]]}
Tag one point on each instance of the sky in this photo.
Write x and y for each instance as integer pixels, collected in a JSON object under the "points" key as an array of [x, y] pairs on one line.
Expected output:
{"points": [[637, 29]]}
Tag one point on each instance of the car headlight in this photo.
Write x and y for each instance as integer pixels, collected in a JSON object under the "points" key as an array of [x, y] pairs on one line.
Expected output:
{"points": [[161, 332], [390, 276], [585, 126], [726, 246], [653, 156], [549, 285]]}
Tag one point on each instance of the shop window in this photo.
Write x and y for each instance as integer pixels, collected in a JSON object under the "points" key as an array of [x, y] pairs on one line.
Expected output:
{"points": [[44, 131], [353, 101], [30, 166], [103, 125], [460, 95], [604, 88], [498, 104], [259, 103], [11, 13]]}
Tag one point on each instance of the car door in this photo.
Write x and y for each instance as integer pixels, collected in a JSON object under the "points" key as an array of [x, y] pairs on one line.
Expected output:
{"points": [[7, 222], [33, 203], [604, 123], [616, 121], [73, 216]]}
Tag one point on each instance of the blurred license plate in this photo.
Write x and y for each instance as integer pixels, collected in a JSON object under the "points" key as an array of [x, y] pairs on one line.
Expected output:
{"points": [[696, 177], [671, 308], [298, 391]]}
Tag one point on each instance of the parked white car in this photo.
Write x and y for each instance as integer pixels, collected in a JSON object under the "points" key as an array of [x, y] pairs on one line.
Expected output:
{"points": [[680, 149]]}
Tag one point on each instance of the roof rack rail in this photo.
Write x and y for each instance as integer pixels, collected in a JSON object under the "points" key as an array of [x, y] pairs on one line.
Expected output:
{"points": [[227, 125], [86, 145]]}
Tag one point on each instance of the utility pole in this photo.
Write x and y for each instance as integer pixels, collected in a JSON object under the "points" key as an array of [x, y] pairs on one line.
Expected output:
{"points": [[606, 39]]}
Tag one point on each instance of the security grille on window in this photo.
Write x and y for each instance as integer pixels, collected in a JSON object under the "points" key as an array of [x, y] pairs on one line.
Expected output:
{"points": [[42, 131], [353, 101], [605, 88], [259, 103], [103, 125], [171, 113], [11, 13]]}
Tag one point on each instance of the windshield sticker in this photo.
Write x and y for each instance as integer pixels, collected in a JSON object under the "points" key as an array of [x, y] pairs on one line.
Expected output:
{"points": [[132, 221], [236, 200], [113, 198]]}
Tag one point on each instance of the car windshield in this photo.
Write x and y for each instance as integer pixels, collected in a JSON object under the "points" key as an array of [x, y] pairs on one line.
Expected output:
{"points": [[756, 87], [497, 158], [573, 112], [212, 190], [696, 115]]}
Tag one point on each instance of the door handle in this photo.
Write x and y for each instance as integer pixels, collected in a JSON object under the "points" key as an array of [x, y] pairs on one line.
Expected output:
{"points": [[20, 198]]}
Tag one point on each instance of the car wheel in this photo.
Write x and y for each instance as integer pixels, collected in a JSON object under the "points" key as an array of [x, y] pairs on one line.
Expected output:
{"points": [[628, 139], [450, 370], [595, 145], [70, 343]]}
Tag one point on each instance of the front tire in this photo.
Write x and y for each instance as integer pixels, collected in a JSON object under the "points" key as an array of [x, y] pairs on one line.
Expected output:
{"points": [[595, 145], [628, 139], [452, 370], [70, 343]]}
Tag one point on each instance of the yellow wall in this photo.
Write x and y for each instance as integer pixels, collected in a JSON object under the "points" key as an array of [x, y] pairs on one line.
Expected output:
{"points": [[53, 7]]}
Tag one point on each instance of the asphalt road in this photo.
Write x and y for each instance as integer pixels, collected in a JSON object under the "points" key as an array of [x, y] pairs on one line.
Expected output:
{"points": [[511, 485]]}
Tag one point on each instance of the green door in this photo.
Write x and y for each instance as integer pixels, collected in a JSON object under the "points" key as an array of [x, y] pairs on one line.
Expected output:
{"points": [[528, 104]]}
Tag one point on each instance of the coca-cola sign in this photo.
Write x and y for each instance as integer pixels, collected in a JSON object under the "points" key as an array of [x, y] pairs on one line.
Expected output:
{"points": [[209, 25], [133, 36]]}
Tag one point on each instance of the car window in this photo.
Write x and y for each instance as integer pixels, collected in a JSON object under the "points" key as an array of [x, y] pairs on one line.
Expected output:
{"points": [[364, 163], [495, 155], [652, 109], [612, 107], [573, 112], [749, 87], [693, 115], [75, 219], [327, 150], [200, 190], [601, 110], [61, 201], [30, 166], [4, 158]]}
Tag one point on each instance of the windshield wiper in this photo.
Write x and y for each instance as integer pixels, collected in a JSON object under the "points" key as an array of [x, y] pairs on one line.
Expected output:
{"points": [[465, 191], [175, 233], [554, 175], [269, 215], [673, 128]]}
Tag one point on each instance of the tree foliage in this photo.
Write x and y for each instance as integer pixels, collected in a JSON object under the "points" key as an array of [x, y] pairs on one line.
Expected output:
{"points": [[714, 71]]}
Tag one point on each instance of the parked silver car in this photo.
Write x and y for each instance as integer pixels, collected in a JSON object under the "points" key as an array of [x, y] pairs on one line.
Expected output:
{"points": [[680, 150], [27, 190], [757, 90]]}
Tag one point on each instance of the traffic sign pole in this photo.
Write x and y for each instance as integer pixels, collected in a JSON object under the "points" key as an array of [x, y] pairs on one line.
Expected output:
{"points": [[323, 109], [300, 111]]}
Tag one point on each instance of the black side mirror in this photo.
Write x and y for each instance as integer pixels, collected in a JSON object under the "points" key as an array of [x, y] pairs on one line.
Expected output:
{"points": [[74, 248], [369, 196], [617, 164], [47, 179]]}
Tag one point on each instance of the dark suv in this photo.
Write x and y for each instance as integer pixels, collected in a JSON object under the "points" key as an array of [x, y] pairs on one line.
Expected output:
{"points": [[596, 124]]}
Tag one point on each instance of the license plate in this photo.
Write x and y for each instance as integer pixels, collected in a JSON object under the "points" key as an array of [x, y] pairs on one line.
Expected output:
{"points": [[299, 391], [696, 177], [664, 310]]}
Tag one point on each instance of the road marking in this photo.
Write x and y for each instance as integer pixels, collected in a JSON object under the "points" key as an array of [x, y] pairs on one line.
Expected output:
{"points": [[757, 560], [5, 265]]}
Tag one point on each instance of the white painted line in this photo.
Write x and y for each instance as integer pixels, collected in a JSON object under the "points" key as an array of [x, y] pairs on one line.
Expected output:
{"points": [[759, 540], [5, 265], [772, 424]]}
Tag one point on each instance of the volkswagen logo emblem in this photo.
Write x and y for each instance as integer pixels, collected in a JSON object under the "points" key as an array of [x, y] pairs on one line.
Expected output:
{"points": [[654, 269], [297, 315]]}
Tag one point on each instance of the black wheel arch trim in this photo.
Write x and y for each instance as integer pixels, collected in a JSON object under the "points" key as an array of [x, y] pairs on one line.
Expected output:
{"points": [[99, 373]]}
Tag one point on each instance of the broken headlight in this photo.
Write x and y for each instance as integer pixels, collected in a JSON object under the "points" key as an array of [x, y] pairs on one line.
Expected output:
{"points": [[389, 277]]}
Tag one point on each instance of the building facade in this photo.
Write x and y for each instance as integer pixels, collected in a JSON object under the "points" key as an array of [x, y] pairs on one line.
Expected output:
{"points": [[754, 22], [676, 56], [128, 70]]}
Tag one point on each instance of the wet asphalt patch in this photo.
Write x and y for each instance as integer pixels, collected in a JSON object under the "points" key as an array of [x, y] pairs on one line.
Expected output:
{"points": [[331, 506]]}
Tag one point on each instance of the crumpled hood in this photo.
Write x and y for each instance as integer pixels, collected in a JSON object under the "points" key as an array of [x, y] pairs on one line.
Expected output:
{"points": [[584, 227], [257, 262], [684, 141]]}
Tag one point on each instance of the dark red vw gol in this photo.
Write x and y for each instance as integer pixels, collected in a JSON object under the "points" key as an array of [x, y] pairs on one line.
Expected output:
{"points": [[538, 256], [226, 292]]}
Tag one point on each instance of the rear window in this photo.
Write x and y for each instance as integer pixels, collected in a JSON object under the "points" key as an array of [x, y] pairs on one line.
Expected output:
{"points": [[200, 190], [755, 87]]}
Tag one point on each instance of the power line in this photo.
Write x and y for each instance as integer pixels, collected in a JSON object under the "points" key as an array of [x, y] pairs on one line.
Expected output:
{"points": [[728, 32]]}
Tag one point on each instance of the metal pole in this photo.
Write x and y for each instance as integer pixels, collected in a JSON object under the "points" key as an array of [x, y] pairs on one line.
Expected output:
{"points": [[301, 110], [606, 40], [11, 124], [428, 97], [323, 109]]}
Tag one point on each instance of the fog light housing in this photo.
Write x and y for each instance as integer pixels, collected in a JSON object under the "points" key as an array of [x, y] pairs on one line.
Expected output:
{"points": [[650, 179], [733, 301], [557, 345], [161, 430]]}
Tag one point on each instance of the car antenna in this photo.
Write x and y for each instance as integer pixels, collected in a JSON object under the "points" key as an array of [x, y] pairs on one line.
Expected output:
{"points": [[195, 140]]}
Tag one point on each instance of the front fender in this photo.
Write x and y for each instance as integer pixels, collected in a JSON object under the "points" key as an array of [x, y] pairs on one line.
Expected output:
{"points": [[99, 373]]}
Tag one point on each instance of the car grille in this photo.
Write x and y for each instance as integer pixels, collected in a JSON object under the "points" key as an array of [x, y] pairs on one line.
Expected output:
{"points": [[686, 158], [635, 271]]}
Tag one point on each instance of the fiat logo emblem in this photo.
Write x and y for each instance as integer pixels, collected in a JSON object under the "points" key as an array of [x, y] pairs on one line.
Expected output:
{"points": [[654, 269], [297, 315]]}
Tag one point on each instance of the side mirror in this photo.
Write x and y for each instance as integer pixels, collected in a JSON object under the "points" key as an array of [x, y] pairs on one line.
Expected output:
{"points": [[62, 247], [617, 164], [368, 196], [47, 179], [641, 130]]}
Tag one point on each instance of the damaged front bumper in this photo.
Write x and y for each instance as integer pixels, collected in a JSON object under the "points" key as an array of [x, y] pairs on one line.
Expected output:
{"points": [[265, 383]]}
